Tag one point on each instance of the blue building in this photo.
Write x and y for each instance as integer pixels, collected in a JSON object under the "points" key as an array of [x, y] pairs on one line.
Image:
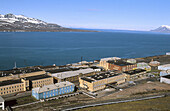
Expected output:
{"points": [[53, 90]]}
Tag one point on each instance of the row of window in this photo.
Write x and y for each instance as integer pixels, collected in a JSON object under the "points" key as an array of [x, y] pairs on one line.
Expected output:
{"points": [[11, 87], [39, 85], [41, 81], [12, 91]]}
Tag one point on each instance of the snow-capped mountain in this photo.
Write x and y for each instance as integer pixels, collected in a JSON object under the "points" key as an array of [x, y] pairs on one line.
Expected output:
{"points": [[163, 28], [11, 22]]}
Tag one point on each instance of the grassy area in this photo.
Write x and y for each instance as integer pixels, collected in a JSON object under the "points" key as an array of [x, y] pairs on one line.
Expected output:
{"points": [[24, 100], [159, 104]]}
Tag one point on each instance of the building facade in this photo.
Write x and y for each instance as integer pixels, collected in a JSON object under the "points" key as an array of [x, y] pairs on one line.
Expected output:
{"points": [[37, 81], [100, 81], [52, 90], [121, 66], [11, 86], [135, 74]]}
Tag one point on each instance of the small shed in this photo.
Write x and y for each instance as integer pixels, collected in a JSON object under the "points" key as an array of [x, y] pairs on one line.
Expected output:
{"points": [[2, 103]]}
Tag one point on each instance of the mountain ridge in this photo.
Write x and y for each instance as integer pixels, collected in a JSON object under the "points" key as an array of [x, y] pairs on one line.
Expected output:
{"points": [[21, 23], [162, 28]]}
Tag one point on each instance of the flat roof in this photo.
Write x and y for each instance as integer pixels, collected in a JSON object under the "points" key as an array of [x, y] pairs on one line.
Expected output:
{"points": [[9, 82], [131, 72], [119, 62], [38, 77], [100, 76], [66, 74], [52, 87], [167, 76], [18, 71]]}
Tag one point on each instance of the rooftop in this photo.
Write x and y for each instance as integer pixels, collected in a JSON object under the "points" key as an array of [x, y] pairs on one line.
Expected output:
{"points": [[37, 77], [119, 62], [9, 82], [131, 72], [52, 87], [67, 74], [100, 76], [18, 71]]}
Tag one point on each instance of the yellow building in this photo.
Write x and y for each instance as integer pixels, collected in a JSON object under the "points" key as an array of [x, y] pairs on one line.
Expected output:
{"points": [[11, 86], [135, 74], [20, 73], [37, 81], [24, 84], [100, 81]]}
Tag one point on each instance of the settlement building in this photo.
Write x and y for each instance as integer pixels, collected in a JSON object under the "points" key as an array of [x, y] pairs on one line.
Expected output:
{"points": [[100, 81], [143, 65], [133, 61], [165, 72], [72, 75], [135, 74], [104, 61], [2, 103], [52, 90], [121, 65], [20, 73], [164, 67], [154, 65], [37, 81], [24, 84], [165, 79], [11, 86]]}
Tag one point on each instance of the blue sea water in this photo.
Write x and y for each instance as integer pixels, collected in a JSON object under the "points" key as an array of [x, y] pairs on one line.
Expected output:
{"points": [[60, 48]]}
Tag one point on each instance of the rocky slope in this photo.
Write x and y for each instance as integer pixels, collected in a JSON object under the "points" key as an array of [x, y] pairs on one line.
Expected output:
{"points": [[20, 23]]}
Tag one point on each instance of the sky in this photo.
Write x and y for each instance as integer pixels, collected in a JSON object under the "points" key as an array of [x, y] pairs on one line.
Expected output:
{"points": [[97, 14]]}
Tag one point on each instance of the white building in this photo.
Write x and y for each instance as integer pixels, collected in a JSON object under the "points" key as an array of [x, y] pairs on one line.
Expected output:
{"points": [[165, 72], [2, 103], [164, 67], [165, 79], [168, 53]]}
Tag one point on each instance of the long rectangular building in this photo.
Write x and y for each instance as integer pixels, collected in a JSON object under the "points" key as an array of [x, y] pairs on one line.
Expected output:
{"points": [[72, 75], [11, 86], [99, 81], [53, 90]]}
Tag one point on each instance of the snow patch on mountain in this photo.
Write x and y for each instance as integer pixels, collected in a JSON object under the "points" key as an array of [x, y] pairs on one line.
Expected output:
{"points": [[20, 18]]}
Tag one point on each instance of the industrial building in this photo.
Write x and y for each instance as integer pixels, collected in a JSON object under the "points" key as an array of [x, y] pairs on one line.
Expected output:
{"points": [[135, 74], [143, 65], [165, 79], [20, 73], [164, 67], [121, 65], [133, 61], [101, 80], [165, 72], [37, 81], [11, 86], [53, 90], [104, 62], [154, 65], [24, 84], [71, 75]]}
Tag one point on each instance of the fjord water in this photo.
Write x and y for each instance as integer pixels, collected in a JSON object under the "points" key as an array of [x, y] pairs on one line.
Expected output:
{"points": [[60, 48]]}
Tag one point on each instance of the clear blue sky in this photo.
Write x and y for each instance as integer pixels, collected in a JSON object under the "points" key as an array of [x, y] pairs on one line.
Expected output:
{"points": [[106, 14]]}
